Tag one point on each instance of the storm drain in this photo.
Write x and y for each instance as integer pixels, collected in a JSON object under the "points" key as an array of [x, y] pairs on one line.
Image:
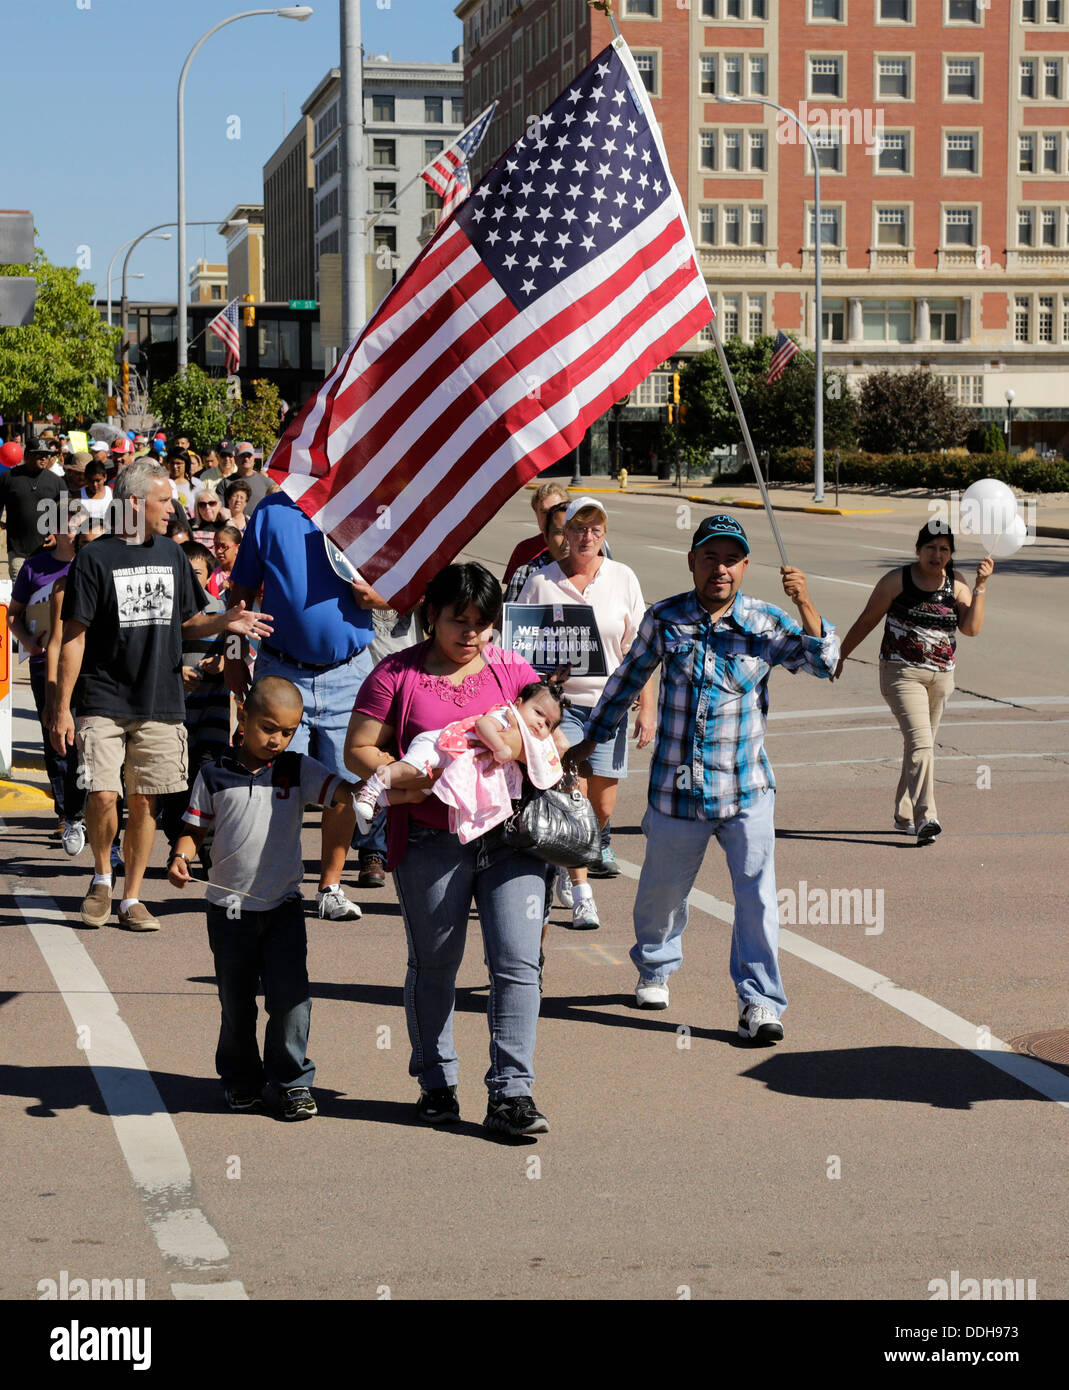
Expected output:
{"points": [[1048, 1047]]}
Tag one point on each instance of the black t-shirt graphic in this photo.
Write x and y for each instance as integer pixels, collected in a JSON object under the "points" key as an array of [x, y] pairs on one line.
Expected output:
{"points": [[133, 600]]}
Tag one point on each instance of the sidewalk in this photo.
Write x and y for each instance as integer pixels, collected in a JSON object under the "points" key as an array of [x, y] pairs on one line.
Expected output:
{"points": [[1052, 509]]}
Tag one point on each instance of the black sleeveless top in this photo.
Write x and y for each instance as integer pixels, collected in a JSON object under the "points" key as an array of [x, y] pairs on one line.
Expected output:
{"points": [[921, 625]]}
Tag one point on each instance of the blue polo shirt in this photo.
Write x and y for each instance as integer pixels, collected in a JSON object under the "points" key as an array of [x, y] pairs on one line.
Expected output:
{"points": [[316, 617]]}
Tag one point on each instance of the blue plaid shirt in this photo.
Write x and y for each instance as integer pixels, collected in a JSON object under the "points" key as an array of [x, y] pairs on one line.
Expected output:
{"points": [[709, 758]]}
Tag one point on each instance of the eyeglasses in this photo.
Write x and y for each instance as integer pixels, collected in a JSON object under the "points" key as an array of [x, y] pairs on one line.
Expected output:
{"points": [[596, 531]]}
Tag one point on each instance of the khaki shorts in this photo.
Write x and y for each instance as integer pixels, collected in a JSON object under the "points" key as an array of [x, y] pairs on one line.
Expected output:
{"points": [[153, 752]]}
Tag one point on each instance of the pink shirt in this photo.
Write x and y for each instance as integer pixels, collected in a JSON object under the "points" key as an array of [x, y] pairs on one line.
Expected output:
{"points": [[411, 701]]}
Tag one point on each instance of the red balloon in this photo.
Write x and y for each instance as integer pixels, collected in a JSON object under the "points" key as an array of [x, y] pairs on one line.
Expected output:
{"points": [[11, 453]]}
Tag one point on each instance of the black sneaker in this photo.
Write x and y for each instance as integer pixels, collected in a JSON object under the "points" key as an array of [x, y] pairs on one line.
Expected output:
{"points": [[516, 1115], [297, 1104], [928, 831], [438, 1106], [239, 1099]]}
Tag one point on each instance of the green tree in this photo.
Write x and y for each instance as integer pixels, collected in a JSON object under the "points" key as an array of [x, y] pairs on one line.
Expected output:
{"points": [[55, 364], [258, 420], [909, 413], [192, 403], [779, 416]]}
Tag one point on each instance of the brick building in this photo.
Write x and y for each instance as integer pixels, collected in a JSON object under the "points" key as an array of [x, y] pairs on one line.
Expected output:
{"points": [[942, 129]]}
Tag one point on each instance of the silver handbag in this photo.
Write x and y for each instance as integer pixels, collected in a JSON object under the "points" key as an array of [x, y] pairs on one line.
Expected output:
{"points": [[558, 825]]}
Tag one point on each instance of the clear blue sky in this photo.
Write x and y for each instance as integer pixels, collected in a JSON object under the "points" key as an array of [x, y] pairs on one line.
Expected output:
{"points": [[89, 97]]}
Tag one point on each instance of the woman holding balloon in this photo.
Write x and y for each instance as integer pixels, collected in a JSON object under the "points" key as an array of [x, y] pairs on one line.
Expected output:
{"points": [[924, 605]]}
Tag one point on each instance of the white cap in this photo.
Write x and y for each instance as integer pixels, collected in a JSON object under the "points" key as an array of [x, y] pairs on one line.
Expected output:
{"points": [[574, 508], [98, 446]]}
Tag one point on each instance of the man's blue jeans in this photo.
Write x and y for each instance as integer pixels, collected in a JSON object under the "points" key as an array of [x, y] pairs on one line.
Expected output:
{"points": [[436, 882], [250, 947], [329, 698], [675, 849]]}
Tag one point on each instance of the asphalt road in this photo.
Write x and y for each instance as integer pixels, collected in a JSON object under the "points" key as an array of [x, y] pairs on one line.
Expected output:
{"points": [[888, 1141]]}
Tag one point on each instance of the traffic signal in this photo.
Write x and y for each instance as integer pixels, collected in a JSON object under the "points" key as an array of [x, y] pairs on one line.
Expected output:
{"points": [[126, 386], [669, 414], [248, 314], [675, 387]]}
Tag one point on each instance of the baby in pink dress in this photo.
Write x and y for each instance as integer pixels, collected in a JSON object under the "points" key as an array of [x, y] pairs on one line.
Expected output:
{"points": [[472, 764]]}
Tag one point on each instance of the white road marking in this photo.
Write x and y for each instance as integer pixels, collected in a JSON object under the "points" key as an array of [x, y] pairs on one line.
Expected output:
{"points": [[668, 550], [829, 712], [946, 724], [1028, 1070], [943, 758], [145, 1131]]}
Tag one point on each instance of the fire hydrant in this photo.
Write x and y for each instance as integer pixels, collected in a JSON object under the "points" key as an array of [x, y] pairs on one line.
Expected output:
{"points": [[623, 479]]}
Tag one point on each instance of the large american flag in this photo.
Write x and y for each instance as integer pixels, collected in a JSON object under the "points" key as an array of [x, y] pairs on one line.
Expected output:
{"points": [[449, 173], [565, 278], [225, 328], [783, 349]]}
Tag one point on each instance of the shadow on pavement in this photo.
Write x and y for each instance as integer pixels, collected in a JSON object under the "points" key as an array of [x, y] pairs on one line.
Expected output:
{"points": [[888, 839], [944, 1078]]}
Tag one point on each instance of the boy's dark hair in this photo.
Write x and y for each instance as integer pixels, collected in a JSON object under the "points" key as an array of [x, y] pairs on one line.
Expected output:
{"points": [[195, 551], [555, 688], [935, 531], [460, 587], [269, 689], [179, 522]]}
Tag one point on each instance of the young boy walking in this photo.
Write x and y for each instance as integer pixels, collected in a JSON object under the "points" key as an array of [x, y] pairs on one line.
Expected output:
{"points": [[253, 798]]}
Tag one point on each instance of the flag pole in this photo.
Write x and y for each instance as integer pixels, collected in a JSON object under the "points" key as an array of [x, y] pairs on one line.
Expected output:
{"points": [[605, 6], [748, 441]]}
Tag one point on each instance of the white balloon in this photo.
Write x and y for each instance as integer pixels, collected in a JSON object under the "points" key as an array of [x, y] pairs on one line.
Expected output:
{"points": [[988, 507], [1002, 544]]}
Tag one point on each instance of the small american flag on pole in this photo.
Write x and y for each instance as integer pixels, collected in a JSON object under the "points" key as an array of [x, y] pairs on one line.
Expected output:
{"points": [[225, 328], [558, 286], [448, 173], [783, 350]]}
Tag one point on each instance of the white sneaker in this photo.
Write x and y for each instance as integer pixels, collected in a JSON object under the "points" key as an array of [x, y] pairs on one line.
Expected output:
{"points": [[335, 906], [760, 1024], [928, 831], [74, 837], [584, 916], [651, 994], [562, 888], [905, 827]]}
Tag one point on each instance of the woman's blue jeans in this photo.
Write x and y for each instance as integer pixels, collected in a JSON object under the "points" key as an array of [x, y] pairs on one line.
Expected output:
{"points": [[436, 883]]}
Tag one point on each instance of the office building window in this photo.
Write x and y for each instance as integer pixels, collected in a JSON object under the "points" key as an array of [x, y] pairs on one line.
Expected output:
{"points": [[1026, 154], [1027, 78], [896, 11], [733, 150], [758, 75], [758, 156], [829, 150], [431, 148], [733, 75], [833, 321], [384, 153], [755, 317], [892, 227], [432, 110], [757, 226], [963, 11], [383, 196], [732, 227], [640, 9], [826, 9], [707, 79], [943, 317], [730, 315], [893, 77], [887, 320], [647, 70], [1022, 320], [1052, 78], [382, 108], [1051, 161], [830, 226], [826, 77], [961, 153], [959, 227], [1045, 318], [707, 150], [1049, 227], [894, 152], [385, 238], [962, 77]]}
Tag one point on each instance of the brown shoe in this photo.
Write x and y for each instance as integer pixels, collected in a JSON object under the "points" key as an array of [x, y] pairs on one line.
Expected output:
{"points": [[372, 872], [96, 905], [137, 917]]}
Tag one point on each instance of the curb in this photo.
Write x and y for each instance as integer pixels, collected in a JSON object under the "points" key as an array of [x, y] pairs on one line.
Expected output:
{"points": [[17, 796]]}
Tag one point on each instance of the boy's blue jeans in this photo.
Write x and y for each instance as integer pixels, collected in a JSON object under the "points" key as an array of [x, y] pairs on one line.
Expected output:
{"points": [[269, 947]]}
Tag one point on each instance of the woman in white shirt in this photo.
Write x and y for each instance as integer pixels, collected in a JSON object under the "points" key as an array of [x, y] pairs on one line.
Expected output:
{"points": [[584, 576], [96, 495]]}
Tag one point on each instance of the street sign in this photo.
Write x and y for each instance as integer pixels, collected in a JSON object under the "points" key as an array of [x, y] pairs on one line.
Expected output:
{"points": [[303, 303]]}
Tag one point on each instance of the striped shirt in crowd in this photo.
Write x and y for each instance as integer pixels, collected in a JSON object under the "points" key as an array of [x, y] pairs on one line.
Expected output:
{"points": [[709, 760]]}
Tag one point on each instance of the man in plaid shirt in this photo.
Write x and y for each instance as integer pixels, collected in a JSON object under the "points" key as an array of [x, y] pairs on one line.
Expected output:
{"points": [[710, 775]]}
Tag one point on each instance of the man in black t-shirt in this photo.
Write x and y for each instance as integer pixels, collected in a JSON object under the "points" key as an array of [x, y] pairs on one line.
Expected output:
{"points": [[22, 491], [130, 599]]}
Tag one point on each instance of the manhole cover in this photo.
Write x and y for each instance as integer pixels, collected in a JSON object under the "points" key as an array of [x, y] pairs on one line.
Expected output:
{"points": [[1048, 1047]]}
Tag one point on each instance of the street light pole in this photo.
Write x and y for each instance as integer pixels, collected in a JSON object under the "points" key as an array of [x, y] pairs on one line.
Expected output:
{"points": [[353, 191], [818, 348], [298, 12], [1011, 396]]}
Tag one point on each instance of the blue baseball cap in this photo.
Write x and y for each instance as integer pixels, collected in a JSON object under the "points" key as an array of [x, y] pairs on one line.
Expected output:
{"points": [[720, 526]]}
